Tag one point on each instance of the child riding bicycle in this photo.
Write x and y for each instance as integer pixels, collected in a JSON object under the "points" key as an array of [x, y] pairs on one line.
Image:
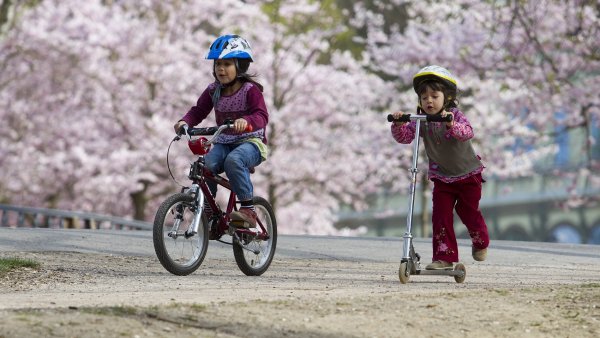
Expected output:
{"points": [[234, 96]]}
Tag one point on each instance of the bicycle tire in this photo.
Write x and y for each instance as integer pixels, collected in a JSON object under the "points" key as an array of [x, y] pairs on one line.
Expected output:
{"points": [[255, 264], [180, 255]]}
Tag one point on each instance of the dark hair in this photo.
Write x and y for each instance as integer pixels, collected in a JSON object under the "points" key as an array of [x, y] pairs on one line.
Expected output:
{"points": [[450, 94], [243, 65]]}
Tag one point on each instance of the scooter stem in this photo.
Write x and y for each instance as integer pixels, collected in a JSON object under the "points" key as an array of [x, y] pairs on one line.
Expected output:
{"points": [[413, 183]]}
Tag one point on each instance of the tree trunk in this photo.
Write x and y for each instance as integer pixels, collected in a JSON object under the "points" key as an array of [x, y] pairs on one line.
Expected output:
{"points": [[4, 8], [139, 200]]}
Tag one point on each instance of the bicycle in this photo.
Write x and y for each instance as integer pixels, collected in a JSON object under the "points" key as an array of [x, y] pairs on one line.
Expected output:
{"points": [[182, 229]]}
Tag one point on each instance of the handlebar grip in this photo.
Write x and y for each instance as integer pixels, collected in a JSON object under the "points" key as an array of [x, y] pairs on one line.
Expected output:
{"points": [[202, 131], [439, 118], [402, 118], [182, 130]]}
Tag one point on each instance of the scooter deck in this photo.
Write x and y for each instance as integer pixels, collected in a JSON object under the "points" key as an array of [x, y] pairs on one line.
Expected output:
{"points": [[446, 272]]}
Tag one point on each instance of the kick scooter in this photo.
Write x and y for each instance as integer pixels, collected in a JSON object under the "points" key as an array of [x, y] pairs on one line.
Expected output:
{"points": [[410, 263]]}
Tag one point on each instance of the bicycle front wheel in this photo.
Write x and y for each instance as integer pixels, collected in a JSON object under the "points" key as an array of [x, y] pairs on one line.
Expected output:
{"points": [[179, 252], [252, 253]]}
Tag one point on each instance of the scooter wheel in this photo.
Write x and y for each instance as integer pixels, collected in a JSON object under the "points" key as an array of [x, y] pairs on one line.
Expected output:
{"points": [[404, 272], [461, 267]]}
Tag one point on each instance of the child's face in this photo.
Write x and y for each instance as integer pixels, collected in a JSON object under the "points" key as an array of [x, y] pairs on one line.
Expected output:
{"points": [[225, 70], [432, 101]]}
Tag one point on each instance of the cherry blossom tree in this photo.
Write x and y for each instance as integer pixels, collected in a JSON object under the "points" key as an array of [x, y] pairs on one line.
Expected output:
{"points": [[519, 64], [91, 92], [326, 125]]}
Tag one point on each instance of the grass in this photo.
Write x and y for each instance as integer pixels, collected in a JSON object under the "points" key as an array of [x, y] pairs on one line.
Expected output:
{"points": [[591, 285], [11, 263], [119, 311]]}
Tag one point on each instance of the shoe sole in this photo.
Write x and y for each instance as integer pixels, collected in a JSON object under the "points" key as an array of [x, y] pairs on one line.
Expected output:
{"points": [[241, 224]]}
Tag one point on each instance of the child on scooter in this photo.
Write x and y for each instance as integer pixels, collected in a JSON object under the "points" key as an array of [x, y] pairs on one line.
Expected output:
{"points": [[454, 167]]}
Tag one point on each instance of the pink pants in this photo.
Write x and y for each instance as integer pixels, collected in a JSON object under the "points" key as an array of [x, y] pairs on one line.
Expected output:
{"points": [[464, 196]]}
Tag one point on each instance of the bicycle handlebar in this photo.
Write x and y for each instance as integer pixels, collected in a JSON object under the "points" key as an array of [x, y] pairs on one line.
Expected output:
{"points": [[428, 118], [203, 131], [214, 131]]}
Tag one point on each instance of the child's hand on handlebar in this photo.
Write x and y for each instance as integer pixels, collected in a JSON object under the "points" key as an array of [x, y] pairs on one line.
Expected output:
{"points": [[451, 123], [241, 125], [397, 115], [178, 127]]}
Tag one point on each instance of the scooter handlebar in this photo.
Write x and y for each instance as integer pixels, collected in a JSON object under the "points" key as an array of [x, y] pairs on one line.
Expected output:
{"points": [[402, 118], [428, 118]]}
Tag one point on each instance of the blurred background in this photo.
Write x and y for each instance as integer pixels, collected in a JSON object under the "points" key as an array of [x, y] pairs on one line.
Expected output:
{"points": [[89, 92]]}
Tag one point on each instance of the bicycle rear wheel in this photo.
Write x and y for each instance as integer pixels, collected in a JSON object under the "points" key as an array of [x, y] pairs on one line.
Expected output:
{"points": [[253, 255], [178, 252]]}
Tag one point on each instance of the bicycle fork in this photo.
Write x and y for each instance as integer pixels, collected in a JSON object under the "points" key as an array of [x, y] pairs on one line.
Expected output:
{"points": [[195, 225], [193, 229]]}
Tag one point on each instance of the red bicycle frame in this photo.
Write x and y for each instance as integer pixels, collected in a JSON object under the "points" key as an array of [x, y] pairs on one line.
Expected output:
{"points": [[199, 174]]}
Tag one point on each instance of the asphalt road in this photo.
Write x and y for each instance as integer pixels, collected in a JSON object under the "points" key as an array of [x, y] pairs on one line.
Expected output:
{"points": [[379, 249]]}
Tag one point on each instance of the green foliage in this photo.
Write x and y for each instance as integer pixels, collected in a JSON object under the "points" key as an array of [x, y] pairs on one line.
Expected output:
{"points": [[9, 8], [336, 20], [332, 22]]}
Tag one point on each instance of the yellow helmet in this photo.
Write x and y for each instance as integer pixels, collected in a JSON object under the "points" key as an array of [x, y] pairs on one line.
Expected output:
{"points": [[434, 72]]}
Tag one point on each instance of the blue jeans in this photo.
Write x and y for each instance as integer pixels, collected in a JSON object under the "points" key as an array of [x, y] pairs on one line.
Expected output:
{"points": [[235, 160]]}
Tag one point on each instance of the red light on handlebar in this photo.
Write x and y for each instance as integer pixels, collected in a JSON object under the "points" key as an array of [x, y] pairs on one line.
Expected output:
{"points": [[199, 146]]}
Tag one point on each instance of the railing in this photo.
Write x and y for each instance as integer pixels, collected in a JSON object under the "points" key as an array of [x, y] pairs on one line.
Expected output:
{"points": [[16, 216], [517, 209]]}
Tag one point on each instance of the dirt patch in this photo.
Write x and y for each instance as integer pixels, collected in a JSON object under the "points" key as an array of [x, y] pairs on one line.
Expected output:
{"points": [[96, 295]]}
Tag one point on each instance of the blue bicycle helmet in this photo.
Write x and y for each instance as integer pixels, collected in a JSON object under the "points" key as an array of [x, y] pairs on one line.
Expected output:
{"points": [[230, 47]]}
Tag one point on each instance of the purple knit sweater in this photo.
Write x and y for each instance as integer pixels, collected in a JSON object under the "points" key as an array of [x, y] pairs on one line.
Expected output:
{"points": [[248, 103]]}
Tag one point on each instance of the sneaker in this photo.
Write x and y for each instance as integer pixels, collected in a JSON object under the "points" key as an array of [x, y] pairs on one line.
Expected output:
{"points": [[244, 218], [479, 254], [439, 265]]}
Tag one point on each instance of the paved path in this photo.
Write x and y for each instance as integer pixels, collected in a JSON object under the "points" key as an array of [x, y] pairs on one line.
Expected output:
{"points": [[84, 266], [380, 249]]}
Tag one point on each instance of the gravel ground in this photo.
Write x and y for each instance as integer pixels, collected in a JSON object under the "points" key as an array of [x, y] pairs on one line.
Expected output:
{"points": [[110, 284]]}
